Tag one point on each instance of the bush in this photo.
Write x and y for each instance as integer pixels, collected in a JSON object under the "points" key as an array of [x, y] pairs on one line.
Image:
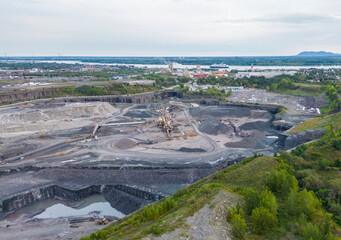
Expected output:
{"points": [[231, 212], [298, 151], [251, 199], [337, 144], [238, 226], [268, 200], [323, 164], [311, 232], [303, 202], [316, 155], [262, 220], [320, 143], [281, 182]]}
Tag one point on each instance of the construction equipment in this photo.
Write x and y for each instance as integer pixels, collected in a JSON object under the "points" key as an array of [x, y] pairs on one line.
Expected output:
{"points": [[165, 122], [191, 134], [103, 221]]}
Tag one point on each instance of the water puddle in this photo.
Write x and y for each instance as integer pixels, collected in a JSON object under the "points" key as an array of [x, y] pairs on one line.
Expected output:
{"points": [[90, 205], [94, 205]]}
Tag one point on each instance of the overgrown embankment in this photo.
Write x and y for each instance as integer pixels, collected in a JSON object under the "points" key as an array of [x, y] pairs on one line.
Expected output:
{"points": [[293, 194]]}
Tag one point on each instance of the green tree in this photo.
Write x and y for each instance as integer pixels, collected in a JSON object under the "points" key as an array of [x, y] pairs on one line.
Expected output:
{"points": [[262, 220], [268, 200], [280, 181], [311, 232], [251, 199]]}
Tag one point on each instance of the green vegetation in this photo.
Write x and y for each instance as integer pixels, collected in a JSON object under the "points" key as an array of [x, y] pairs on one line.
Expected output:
{"points": [[297, 193], [299, 89], [319, 123], [211, 92], [114, 89]]}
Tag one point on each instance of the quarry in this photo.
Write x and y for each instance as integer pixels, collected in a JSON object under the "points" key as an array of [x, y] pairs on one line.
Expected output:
{"points": [[121, 153]]}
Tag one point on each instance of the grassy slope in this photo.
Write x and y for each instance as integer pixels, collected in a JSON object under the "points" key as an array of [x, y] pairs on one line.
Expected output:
{"points": [[252, 172], [319, 122], [193, 198], [303, 89]]}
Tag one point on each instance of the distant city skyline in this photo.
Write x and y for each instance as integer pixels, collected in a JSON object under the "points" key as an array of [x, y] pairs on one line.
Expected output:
{"points": [[168, 27]]}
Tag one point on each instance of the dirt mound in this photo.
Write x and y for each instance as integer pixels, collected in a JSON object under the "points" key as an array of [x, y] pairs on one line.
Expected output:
{"points": [[214, 127], [218, 112], [125, 144], [185, 149], [72, 110], [257, 134], [261, 114], [258, 125], [246, 143], [138, 114]]}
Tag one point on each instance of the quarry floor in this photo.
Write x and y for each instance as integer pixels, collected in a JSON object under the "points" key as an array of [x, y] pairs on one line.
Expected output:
{"points": [[79, 144]]}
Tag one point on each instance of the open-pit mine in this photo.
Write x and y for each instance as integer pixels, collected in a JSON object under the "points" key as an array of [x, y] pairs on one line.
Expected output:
{"points": [[68, 163]]}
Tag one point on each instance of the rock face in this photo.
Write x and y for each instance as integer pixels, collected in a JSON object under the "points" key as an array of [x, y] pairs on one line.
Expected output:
{"points": [[123, 197], [27, 95], [281, 125], [293, 140]]}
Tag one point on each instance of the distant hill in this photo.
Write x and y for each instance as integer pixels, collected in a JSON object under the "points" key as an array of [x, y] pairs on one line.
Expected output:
{"points": [[317, 54]]}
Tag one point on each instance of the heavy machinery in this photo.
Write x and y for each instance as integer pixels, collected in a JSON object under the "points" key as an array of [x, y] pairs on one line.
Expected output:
{"points": [[165, 122], [103, 221]]}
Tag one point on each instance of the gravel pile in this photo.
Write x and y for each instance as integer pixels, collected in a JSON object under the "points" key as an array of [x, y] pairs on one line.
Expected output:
{"points": [[261, 114], [214, 127], [218, 112], [125, 144], [138, 114], [184, 149], [258, 125], [246, 143]]}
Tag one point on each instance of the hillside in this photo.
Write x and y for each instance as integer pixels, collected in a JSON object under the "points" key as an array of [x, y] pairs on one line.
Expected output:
{"points": [[319, 123], [291, 196], [316, 54]]}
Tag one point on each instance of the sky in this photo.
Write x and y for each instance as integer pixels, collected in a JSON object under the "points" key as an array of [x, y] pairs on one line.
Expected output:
{"points": [[168, 27]]}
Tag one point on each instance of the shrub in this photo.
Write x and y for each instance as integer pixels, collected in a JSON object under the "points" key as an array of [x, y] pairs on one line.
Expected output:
{"points": [[316, 155], [298, 151], [231, 212], [320, 143], [262, 220], [311, 232], [238, 226], [281, 182], [323, 164], [251, 199], [337, 144], [303, 202], [268, 200]]}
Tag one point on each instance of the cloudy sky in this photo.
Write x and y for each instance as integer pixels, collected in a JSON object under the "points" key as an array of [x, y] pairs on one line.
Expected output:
{"points": [[168, 27]]}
